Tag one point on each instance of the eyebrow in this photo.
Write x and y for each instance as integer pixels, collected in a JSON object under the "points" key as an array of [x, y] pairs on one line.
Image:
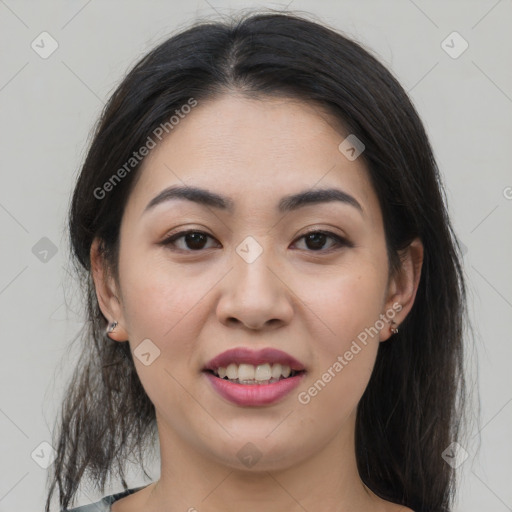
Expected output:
{"points": [[286, 204]]}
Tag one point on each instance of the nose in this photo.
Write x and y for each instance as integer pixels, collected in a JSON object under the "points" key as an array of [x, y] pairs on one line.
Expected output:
{"points": [[255, 295]]}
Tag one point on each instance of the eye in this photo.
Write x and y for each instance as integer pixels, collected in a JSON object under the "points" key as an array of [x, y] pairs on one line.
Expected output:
{"points": [[195, 241], [315, 240]]}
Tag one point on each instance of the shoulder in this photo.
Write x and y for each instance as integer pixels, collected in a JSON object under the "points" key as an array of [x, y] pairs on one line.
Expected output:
{"points": [[394, 507], [104, 505], [100, 506]]}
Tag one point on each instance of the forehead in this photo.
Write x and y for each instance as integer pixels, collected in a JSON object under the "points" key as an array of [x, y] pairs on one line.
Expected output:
{"points": [[255, 151]]}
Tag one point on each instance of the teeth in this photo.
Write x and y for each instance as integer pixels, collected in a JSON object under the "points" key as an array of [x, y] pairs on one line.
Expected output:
{"points": [[232, 371], [276, 371], [262, 372], [248, 373]]}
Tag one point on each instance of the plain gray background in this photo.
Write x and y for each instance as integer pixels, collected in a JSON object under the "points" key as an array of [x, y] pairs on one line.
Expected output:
{"points": [[48, 107]]}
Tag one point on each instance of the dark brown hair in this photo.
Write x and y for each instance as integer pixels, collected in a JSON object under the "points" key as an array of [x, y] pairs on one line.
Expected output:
{"points": [[413, 405]]}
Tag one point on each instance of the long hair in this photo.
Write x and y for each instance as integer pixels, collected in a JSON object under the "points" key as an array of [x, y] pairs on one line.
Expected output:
{"points": [[413, 405]]}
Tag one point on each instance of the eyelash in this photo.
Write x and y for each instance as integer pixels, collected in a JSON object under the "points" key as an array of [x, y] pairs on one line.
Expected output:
{"points": [[340, 241]]}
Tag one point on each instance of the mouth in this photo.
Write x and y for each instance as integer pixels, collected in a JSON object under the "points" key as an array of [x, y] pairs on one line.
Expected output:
{"points": [[245, 366], [254, 375], [248, 378]]}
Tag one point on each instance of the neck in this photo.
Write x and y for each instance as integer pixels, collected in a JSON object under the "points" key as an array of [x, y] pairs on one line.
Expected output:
{"points": [[326, 480]]}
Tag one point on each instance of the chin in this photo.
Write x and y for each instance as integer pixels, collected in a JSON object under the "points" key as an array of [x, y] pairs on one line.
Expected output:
{"points": [[259, 453]]}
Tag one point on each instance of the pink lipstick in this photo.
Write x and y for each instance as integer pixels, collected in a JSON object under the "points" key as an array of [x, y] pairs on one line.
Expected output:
{"points": [[287, 373]]}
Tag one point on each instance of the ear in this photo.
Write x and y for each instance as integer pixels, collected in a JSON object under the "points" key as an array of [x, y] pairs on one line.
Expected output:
{"points": [[402, 288], [106, 292]]}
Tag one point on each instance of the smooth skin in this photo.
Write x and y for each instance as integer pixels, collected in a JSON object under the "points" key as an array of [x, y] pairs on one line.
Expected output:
{"points": [[196, 298]]}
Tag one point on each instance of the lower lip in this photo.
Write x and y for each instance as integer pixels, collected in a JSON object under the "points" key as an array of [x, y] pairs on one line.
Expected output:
{"points": [[254, 394]]}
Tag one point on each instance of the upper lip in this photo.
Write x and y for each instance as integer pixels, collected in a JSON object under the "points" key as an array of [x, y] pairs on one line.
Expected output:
{"points": [[241, 355]]}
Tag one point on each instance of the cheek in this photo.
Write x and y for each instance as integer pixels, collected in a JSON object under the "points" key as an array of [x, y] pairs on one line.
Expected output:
{"points": [[346, 343], [158, 297], [162, 306], [347, 304]]}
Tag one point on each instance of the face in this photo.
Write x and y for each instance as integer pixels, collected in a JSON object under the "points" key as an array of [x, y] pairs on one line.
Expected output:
{"points": [[309, 280]]}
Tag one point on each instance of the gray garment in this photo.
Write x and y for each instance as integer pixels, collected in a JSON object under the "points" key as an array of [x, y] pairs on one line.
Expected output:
{"points": [[104, 505]]}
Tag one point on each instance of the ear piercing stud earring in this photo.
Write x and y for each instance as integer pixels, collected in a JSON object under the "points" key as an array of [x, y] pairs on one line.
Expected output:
{"points": [[111, 327], [394, 329]]}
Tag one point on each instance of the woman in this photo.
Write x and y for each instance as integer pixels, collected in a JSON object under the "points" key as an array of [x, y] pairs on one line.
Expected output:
{"points": [[274, 286]]}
